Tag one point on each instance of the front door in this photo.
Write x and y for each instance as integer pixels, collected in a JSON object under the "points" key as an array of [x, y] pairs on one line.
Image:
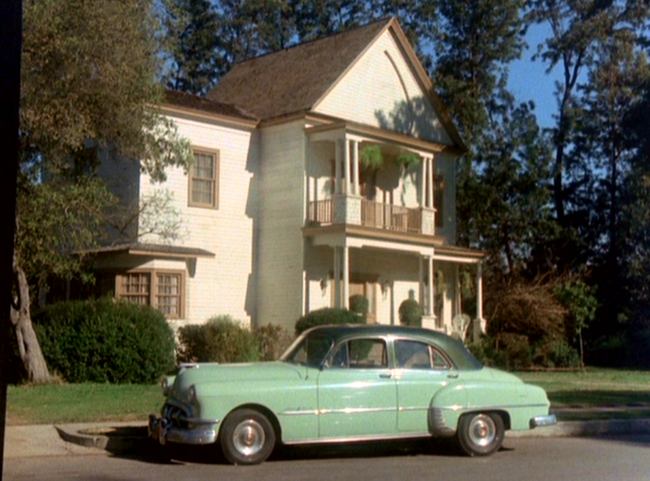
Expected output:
{"points": [[368, 289], [357, 396]]}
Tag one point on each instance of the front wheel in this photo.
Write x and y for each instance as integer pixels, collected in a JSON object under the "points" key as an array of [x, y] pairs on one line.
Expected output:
{"points": [[247, 437], [480, 434]]}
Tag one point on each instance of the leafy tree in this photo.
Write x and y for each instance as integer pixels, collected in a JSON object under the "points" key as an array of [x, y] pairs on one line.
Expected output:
{"points": [[577, 27], [88, 89], [613, 88], [191, 29]]}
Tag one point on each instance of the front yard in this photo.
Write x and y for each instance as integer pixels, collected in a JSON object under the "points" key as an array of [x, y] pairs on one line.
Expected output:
{"points": [[65, 403]]}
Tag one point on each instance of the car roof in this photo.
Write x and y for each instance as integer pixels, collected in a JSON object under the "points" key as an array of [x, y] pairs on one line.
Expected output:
{"points": [[340, 330], [452, 346]]}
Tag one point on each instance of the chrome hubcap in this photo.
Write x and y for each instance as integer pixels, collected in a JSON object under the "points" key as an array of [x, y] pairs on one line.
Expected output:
{"points": [[248, 437], [482, 430]]}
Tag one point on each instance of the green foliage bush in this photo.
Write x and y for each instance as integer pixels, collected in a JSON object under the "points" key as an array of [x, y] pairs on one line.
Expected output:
{"points": [[105, 341], [410, 313], [514, 351], [558, 353], [272, 341], [327, 315], [220, 339], [359, 304]]}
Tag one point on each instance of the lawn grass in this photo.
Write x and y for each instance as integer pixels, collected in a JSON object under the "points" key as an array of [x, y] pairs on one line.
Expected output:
{"points": [[68, 403], [593, 387]]}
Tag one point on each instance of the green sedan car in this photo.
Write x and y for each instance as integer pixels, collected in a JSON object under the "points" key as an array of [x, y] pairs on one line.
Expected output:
{"points": [[342, 384]]}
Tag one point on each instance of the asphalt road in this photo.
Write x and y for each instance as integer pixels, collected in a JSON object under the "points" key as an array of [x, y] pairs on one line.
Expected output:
{"points": [[625, 458]]}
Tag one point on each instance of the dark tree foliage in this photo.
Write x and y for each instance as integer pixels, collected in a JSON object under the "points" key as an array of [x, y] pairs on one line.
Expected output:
{"points": [[191, 31]]}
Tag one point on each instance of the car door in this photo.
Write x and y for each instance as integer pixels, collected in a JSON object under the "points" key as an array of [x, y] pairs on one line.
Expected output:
{"points": [[421, 370], [357, 396]]}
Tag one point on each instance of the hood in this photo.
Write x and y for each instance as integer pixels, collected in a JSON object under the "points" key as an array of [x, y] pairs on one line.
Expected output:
{"points": [[215, 373]]}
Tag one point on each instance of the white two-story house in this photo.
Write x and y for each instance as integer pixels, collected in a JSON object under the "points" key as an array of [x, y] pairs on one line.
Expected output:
{"points": [[322, 171]]}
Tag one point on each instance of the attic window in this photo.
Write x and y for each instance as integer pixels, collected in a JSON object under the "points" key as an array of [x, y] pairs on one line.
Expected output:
{"points": [[203, 188]]}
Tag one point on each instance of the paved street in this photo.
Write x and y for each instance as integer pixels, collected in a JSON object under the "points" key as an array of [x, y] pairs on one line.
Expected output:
{"points": [[625, 458]]}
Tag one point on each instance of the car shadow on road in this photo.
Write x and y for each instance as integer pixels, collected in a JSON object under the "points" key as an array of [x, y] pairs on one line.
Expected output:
{"points": [[138, 447]]}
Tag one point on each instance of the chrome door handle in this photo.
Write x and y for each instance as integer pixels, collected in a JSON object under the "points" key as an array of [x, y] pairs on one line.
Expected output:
{"points": [[385, 375], [452, 375]]}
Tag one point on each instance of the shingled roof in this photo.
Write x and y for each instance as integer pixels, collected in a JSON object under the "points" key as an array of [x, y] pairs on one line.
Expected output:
{"points": [[195, 102], [294, 79]]}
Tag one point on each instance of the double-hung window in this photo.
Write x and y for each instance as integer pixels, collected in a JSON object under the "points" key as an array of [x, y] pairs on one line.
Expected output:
{"points": [[204, 179]]}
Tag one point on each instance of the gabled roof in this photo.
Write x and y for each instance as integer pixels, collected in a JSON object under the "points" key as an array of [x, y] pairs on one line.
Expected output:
{"points": [[294, 80], [194, 102]]}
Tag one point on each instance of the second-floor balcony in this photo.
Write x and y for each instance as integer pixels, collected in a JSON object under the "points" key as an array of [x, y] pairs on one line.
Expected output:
{"points": [[354, 210]]}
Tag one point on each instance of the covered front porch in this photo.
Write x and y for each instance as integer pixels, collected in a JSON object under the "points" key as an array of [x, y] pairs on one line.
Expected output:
{"points": [[340, 264]]}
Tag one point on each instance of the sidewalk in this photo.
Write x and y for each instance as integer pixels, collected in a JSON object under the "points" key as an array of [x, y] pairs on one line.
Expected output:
{"points": [[98, 438]]}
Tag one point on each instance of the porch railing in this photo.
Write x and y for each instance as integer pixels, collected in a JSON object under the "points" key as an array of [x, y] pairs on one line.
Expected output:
{"points": [[321, 212], [373, 214]]}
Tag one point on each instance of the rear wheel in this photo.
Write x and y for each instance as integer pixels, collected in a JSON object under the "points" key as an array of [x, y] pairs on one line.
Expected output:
{"points": [[480, 434], [247, 437]]}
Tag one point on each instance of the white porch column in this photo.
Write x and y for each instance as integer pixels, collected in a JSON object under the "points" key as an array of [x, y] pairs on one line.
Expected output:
{"points": [[337, 166], [337, 278], [346, 277], [430, 307], [420, 282], [430, 179], [423, 181], [458, 307], [479, 325], [346, 166], [355, 166]]}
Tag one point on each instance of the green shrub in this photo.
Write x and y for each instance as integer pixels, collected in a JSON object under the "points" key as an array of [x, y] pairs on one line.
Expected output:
{"points": [[105, 341], [327, 315], [221, 339], [556, 353], [272, 341], [410, 313], [360, 305]]}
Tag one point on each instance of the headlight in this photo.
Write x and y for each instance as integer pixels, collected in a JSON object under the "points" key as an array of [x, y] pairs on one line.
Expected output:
{"points": [[191, 394], [166, 385]]}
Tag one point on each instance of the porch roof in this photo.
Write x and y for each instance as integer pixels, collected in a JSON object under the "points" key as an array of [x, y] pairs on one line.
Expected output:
{"points": [[376, 133], [453, 253], [152, 250]]}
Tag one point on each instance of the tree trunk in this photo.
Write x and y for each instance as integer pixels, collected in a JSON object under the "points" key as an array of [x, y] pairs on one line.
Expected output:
{"points": [[21, 320]]}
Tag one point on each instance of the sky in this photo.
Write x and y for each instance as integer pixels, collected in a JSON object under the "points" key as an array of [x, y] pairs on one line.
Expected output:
{"points": [[529, 80]]}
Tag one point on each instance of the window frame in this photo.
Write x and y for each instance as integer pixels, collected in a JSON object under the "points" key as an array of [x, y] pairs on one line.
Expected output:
{"points": [[153, 288], [214, 153], [431, 348], [329, 358]]}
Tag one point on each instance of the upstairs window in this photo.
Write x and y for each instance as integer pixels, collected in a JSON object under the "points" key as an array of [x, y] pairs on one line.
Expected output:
{"points": [[204, 176]]}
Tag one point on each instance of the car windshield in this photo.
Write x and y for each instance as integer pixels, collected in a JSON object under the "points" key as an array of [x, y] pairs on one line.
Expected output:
{"points": [[309, 350]]}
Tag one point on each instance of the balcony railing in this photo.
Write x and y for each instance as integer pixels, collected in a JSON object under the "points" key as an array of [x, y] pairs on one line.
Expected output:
{"points": [[358, 211]]}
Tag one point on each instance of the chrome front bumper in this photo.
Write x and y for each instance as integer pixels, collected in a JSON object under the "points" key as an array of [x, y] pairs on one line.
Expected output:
{"points": [[162, 431], [541, 421]]}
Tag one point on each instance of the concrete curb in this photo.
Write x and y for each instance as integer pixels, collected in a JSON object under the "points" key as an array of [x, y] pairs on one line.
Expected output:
{"points": [[113, 437], [110, 437], [588, 428]]}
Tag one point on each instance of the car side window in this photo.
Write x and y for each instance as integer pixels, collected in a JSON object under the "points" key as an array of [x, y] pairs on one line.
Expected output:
{"points": [[418, 355], [360, 354]]}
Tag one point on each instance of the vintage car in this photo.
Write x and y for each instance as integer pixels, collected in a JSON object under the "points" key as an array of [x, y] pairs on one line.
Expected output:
{"points": [[340, 384]]}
